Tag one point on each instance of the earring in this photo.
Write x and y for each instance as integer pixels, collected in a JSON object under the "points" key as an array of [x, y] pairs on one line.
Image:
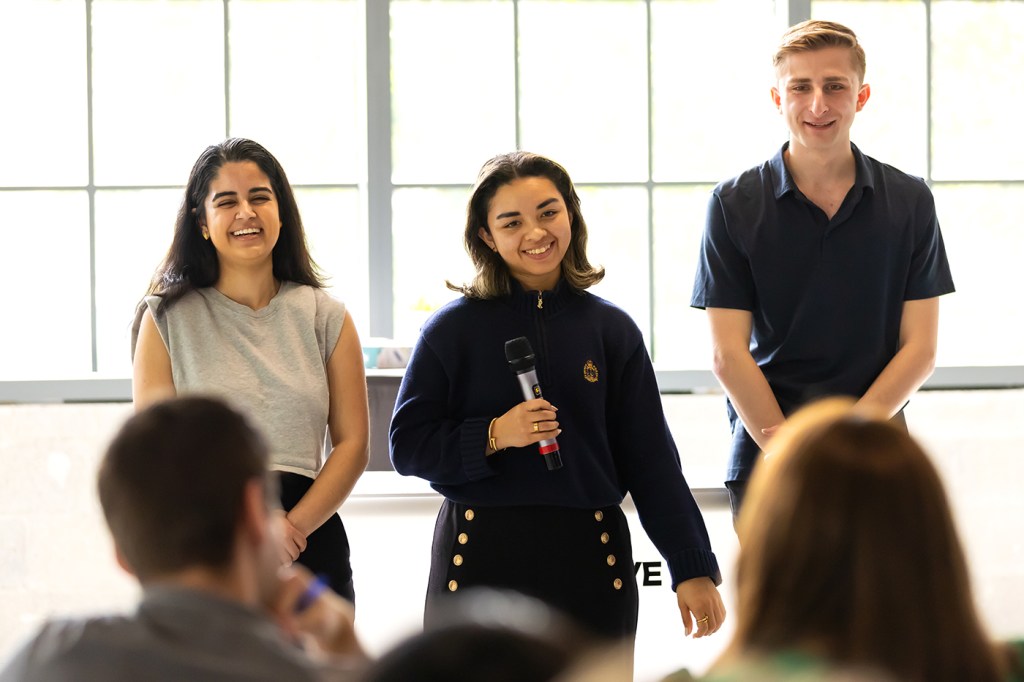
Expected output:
{"points": [[206, 235]]}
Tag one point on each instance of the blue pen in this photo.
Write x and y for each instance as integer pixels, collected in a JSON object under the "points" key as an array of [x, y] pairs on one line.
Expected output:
{"points": [[312, 591]]}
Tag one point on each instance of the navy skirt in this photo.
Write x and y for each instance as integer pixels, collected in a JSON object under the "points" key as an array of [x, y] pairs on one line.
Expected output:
{"points": [[327, 551], [579, 561]]}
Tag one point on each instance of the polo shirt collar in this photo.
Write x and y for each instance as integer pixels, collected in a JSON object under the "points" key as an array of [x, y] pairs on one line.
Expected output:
{"points": [[783, 180]]}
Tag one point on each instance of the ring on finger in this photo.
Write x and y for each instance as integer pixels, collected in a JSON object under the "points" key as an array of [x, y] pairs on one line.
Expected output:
{"points": [[536, 427]]}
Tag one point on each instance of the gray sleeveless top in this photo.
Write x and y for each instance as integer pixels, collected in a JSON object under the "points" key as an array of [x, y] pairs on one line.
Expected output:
{"points": [[269, 363]]}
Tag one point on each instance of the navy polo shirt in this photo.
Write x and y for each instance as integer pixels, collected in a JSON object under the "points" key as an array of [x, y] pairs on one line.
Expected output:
{"points": [[826, 295]]}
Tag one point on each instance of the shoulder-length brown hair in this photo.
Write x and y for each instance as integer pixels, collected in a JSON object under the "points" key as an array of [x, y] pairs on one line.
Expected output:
{"points": [[493, 279], [849, 549]]}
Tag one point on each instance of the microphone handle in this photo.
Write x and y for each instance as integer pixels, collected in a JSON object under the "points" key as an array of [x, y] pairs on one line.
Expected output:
{"points": [[530, 386]]}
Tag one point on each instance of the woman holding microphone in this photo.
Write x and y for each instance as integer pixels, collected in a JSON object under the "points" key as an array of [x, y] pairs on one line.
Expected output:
{"points": [[461, 422]]}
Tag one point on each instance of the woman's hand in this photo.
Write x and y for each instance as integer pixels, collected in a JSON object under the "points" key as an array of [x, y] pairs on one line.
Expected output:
{"points": [[293, 540], [525, 424], [700, 597]]}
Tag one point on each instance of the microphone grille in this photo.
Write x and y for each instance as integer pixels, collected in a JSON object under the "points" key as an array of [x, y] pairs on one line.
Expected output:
{"points": [[518, 349]]}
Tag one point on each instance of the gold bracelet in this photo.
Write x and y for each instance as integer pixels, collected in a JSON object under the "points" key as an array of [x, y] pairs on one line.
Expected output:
{"points": [[490, 439]]}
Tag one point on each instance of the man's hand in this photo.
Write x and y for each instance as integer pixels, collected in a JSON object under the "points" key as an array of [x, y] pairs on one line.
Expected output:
{"points": [[311, 612]]}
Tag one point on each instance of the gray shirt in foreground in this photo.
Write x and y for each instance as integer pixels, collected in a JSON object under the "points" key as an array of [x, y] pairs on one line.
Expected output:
{"points": [[176, 634]]}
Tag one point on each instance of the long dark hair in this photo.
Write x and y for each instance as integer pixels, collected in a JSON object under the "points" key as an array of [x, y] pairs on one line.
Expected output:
{"points": [[493, 278], [191, 262]]}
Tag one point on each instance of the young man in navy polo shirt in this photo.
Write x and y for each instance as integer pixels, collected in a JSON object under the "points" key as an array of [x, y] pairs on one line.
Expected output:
{"points": [[821, 268]]}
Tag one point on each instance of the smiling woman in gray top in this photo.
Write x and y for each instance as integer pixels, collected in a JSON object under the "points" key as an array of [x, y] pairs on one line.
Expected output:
{"points": [[237, 310]]}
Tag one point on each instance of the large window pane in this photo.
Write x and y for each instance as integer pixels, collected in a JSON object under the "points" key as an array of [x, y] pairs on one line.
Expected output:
{"points": [[453, 88], [577, 81], [158, 88], [297, 83], [617, 219], [681, 336], [712, 113], [892, 126], [43, 136], [133, 232], [583, 86], [976, 101], [428, 249], [44, 280], [336, 234], [980, 324]]}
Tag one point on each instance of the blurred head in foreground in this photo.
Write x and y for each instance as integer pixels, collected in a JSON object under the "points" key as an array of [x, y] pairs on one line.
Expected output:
{"points": [[489, 635], [850, 552]]}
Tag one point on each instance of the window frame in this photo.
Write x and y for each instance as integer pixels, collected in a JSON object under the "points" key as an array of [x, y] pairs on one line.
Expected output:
{"points": [[377, 191]]}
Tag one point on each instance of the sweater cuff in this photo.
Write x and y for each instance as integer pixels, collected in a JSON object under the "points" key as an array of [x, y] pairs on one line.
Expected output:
{"points": [[693, 563], [474, 442]]}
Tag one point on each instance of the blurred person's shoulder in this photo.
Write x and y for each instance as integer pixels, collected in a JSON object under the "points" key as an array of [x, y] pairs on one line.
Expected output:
{"points": [[789, 666], [1015, 663], [121, 649], [58, 649]]}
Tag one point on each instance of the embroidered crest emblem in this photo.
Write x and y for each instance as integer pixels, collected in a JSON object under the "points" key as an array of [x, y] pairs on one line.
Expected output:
{"points": [[590, 372]]}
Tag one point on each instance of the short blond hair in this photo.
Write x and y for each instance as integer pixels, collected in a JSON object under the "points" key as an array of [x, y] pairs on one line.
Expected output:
{"points": [[817, 35]]}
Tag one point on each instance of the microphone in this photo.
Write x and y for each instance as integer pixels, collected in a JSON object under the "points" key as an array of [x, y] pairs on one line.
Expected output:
{"points": [[521, 361]]}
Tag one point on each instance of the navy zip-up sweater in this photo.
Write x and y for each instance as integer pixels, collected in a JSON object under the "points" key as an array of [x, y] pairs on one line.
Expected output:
{"points": [[593, 366]]}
